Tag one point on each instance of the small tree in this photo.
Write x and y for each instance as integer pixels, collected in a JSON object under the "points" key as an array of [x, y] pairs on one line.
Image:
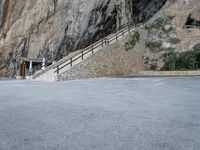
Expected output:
{"points": [[170, 61], [135, 37]]}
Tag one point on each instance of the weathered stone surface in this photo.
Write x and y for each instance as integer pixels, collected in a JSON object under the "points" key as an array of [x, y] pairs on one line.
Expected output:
{"points": [[50, 28], [173, 35], [181, 10]]}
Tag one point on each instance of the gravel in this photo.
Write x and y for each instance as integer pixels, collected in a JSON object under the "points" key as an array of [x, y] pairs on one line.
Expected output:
{"points": [[101, 114]]}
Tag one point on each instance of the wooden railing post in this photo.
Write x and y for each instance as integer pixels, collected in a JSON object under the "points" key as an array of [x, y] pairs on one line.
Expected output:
{"points": [[105, 41], [82, 55], [122, 32], [57, 70], [92, 49], [108, 42], [71, 61], [102, 42]]}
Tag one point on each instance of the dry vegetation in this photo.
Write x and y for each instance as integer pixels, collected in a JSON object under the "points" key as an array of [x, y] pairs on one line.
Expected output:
{"points": [[111, 61]]}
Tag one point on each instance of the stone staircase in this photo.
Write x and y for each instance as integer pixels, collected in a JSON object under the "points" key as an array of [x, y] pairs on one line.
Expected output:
{"points": [[58, 68]]}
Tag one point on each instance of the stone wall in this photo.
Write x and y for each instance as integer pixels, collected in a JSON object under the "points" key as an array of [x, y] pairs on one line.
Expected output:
{"points": [[167, 73]]}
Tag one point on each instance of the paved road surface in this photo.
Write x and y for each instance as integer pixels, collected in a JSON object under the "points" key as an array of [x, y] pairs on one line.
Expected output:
{"points": [[101, 114]]}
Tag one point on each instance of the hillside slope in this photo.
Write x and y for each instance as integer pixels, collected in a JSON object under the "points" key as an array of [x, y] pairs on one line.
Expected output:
{"points": [[176, 28]]}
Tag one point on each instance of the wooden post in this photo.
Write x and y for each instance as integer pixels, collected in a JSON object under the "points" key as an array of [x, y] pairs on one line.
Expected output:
{"points": [[102, 42], [57, 70], [92, 49], [71, 62], [129, 30], [23, 69], [82, 55], [108, 40]]}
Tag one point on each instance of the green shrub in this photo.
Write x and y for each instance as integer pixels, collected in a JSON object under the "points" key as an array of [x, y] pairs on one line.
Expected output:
{"points": [[196, 47], [135, 37], [154, 44], [170, 59], [182, 61], [174, 40], [197, 54], [167, 49], [159, 22], [186, 61], [167, 30], [153, 67]]}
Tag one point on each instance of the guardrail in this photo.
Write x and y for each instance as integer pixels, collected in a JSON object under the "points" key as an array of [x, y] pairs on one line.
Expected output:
{"points": [[101, 43]]}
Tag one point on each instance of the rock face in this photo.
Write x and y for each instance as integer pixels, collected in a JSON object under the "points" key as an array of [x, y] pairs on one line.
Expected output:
{"points": [[50, 28], [175, 28]]}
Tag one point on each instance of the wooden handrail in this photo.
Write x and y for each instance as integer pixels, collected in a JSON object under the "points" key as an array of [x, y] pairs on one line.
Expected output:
{"points": [[101, 43], [69, 59]]}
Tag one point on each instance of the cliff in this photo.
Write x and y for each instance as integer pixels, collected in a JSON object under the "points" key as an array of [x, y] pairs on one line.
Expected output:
{"points": [[52, 28], [179, 32]]}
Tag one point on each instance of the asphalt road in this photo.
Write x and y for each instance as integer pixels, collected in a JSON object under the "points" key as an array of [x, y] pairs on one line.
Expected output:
{"points": [[101, 114]]}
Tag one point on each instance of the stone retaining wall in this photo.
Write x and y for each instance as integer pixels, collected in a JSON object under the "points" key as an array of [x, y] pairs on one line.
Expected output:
{"points": [[167, 73]]}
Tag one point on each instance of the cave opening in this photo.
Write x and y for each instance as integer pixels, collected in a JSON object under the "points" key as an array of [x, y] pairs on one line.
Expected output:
{"points": [[191, 22]]}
